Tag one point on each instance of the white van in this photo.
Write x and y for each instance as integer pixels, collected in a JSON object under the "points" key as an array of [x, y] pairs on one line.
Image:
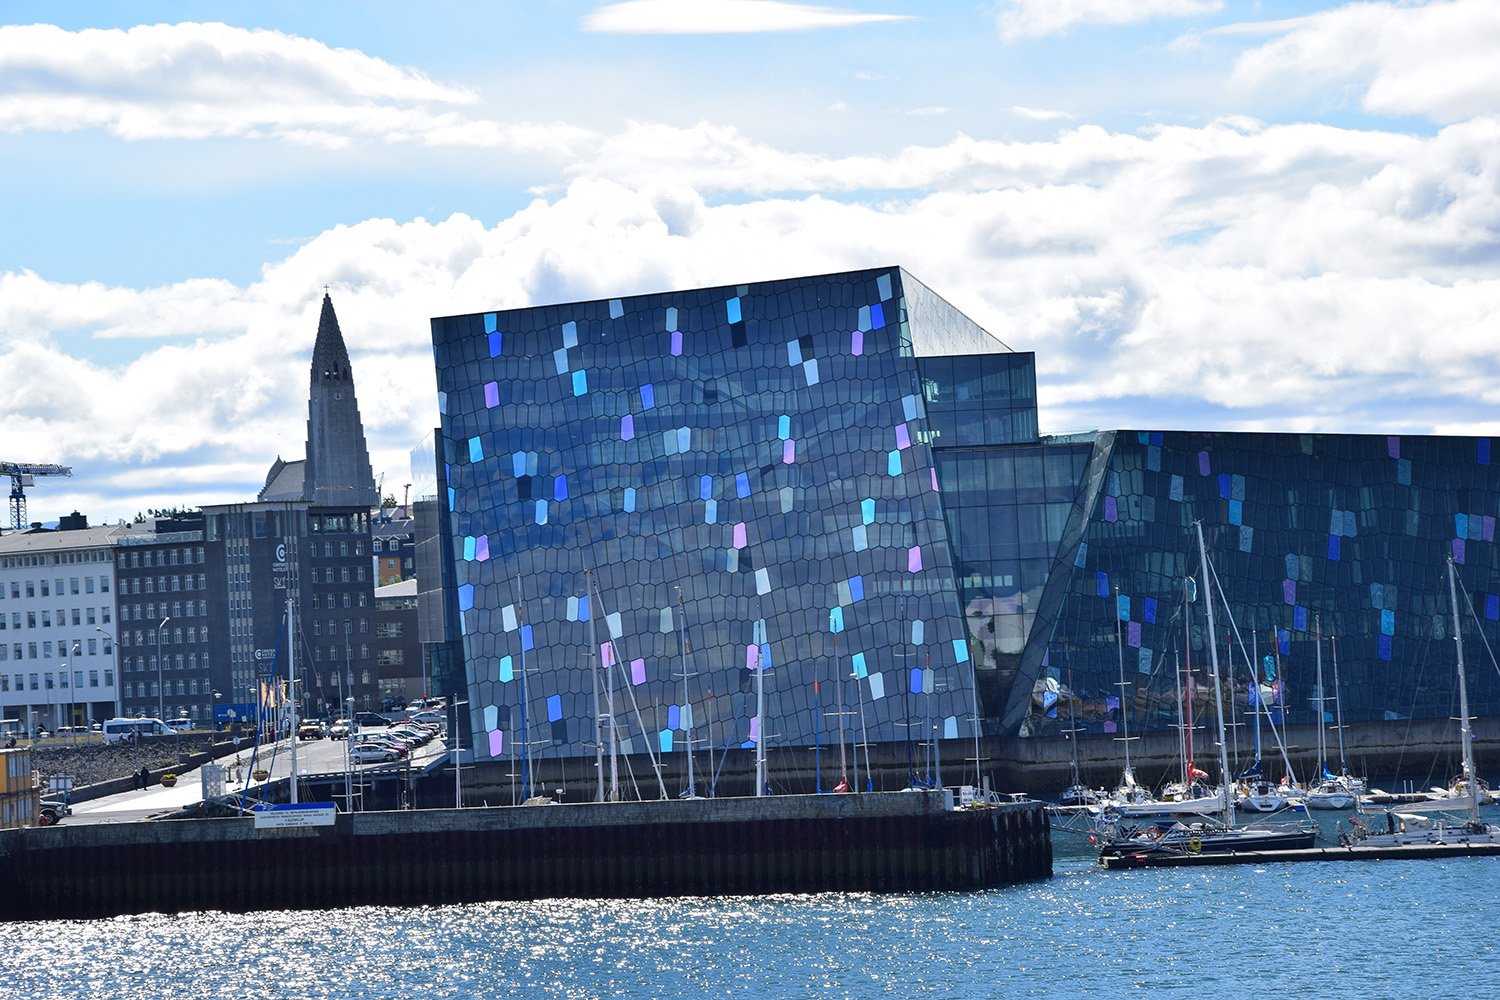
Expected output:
{"points": [[116, 730]]}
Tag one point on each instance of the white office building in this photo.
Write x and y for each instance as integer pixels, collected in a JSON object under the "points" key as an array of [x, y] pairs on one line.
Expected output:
{"points": [[57, 630]]}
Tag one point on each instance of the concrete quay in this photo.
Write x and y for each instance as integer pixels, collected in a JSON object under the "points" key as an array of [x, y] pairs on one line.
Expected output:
{"points": [[906, 841]]}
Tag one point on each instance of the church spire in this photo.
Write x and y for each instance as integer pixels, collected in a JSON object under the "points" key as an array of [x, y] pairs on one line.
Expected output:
{"points": [[330, 360], [338, 472]]}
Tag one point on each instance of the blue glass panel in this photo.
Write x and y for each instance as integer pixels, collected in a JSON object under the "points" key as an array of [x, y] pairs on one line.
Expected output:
{"points": [[554, 708], [476, 450], [858, 662], [1333, 547], [648, 396], [580, 383], [857, 588], [1122, 608], [741, 485], [495, 345], [732, 310]]}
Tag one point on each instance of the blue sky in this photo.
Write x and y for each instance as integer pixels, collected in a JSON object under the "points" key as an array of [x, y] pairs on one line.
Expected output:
{"points": [[1279, 216]]}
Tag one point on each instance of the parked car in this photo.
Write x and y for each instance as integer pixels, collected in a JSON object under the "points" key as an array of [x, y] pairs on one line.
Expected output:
{"points": [[181, 725], [369, 753], [371, 719], [53, 811]]}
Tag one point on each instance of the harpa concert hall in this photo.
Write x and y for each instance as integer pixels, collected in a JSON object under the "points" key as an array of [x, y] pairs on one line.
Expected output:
{"points": [[840, 481]]}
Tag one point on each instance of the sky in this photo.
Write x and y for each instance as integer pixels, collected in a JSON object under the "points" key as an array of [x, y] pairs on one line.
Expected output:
{"points": [[1202, 214]]}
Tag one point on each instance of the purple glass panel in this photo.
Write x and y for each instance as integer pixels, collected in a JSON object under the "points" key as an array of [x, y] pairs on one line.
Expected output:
{"points": [[627, 427], [903, 438], [1111, 509], [491, 394], [1203, 469], [739, 535], [1289, 591], [1458, 551], [789, 451], [637, 671], [857, 345], [676, 344], [481, 548], [497, 743], [1393, 447], [1133, 635], [914, 559]]}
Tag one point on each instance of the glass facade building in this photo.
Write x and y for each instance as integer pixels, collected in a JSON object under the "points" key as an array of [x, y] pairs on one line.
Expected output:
{"points": [[839, 480]]}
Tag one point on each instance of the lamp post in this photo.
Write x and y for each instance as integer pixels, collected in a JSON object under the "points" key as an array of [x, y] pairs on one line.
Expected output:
{"points": [[213, 712], [161, 642], [111, 641]]}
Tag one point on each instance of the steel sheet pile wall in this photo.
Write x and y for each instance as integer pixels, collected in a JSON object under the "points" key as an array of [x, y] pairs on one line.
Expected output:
{"points": [[902, 842]]}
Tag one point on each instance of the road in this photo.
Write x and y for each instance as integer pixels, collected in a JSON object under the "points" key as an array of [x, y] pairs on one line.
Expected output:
{"points": [[313, 757]]}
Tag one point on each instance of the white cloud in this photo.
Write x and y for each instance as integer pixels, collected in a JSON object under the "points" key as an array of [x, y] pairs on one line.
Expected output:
{"points": [[928, 111], [1038, 114], [1293, 277], [194, 81], [1435, 60], [713, 17], [1037, 18]]}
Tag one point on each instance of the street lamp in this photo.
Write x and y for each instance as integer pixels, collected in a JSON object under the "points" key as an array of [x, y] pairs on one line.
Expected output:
{"points": [[161, 642], [111, 640], [213, 712]]}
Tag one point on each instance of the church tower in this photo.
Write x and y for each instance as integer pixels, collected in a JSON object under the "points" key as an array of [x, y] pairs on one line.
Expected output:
{"points": [[336, 472]]}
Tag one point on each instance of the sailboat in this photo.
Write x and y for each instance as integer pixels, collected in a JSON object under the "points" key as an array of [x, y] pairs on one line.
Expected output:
{"points": [[1410, 825], [1076, 794], [1329, 791], [1258, 794], [1201, 836]]}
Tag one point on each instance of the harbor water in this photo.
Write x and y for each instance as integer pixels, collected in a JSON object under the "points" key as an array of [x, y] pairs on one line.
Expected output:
{"points": [[1332, 929]]}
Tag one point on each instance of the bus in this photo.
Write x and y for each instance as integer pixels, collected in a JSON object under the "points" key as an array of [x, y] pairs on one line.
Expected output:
{"points": [[11, 729], [121, 729]]}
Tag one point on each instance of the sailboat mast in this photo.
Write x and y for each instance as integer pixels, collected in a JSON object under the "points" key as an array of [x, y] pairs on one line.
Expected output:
{"points": [[1213, 650], [1187, 778], [1255, 687], [1338, 704], [1322, 737], [687, 708], [1120, 655], [1470, 774], [588, 595]]}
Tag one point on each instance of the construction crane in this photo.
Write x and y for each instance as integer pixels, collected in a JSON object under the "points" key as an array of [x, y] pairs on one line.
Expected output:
{"points": [[22, 475]]}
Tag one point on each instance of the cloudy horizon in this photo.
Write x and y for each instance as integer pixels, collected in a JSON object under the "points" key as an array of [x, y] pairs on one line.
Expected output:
{"points": [[1277, 216]]}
